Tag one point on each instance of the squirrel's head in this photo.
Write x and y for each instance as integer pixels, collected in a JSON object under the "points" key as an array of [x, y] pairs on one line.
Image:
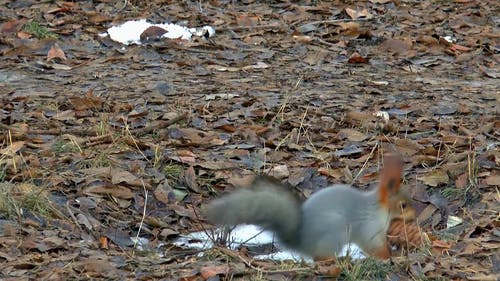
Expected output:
{"points": [[391, 196]]}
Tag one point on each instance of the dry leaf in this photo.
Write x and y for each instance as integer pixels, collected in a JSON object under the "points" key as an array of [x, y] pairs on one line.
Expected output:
{"points": [[405, 234], [407, 147], [493, 180], [353, 135], [435, 178], [279, 172], [357, 58], [56, 52], [12, 149], [152, 33], [103, 242], [122, 176], [103, 188], [190, 179], [462, 180], [208, 272], [355, 14]]}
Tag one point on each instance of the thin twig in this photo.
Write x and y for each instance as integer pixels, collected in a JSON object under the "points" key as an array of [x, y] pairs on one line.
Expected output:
{"points": [[366, 162], [73, 216], [236, 28], [143, 213], [160, 124], [330, 21], [319, 40], [125, 2], [265, 271]]}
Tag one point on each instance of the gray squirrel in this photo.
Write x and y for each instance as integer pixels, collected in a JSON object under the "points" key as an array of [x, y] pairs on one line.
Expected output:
{"points": [[331, 218]]}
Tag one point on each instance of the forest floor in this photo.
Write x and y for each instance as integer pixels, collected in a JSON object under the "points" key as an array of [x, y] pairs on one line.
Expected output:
{"points": [[104, 143]]}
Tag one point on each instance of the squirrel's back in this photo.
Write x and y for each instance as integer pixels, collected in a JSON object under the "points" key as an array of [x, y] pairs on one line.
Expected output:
{"points": [[338, 215]]}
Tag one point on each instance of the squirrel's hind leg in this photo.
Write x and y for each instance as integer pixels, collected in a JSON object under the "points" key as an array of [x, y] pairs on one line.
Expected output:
{"points": [[323, 233], [381, 250]]}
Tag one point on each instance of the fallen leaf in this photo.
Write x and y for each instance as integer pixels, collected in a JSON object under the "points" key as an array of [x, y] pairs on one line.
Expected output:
{"points": [[103, 242], [56, 52], [349, 150], [356, 14], [357, 58], [152, 33], [247, 20], [208, 272], [353, 135], [395, 46], [407, 147], [167, 232], [122, 176], [462, 180], [12, 26], [190, 179], [435, 178], [12, 149], [279, 172], [493, 180], [103, 188]]}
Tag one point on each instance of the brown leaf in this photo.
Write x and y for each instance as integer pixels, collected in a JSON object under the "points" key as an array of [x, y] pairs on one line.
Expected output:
{"points": [[12, 149], [211, 271], [353, 135], [166, 232], [152, 33], [122, 176], [279, 171], [190, 179], [355, 14], [357, 58], [56, 52], [103, 242], [97, 267], [88, 101], [402, 234], [334, 173], [350, 28], [407, 147], [102, 188], [395, 46], [247, 20], [435, 178], [238, 178], [462, 180], [99, 18], [162, 192], [493, 180], [427, 40], [302, 38], [23, 35], [12, 26]]}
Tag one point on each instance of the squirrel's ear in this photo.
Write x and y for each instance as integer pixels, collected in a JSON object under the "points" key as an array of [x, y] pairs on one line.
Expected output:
{"points": [[392, 172], [393, 160]]}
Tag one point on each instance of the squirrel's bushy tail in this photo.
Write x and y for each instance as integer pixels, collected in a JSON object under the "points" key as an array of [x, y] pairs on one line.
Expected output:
{"points": [[265, 204]]}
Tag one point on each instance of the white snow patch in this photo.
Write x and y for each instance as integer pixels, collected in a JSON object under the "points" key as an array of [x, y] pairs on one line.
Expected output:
{"points": [[254, 235], [130, 31]]}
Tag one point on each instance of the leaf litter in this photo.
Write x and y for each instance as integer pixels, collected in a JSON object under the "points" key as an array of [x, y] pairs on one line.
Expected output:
{"points": [[109, 147]]}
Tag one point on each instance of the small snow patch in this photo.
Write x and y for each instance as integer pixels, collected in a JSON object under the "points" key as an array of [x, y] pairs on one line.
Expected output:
{"points": [[254, 235], [130, 31]]}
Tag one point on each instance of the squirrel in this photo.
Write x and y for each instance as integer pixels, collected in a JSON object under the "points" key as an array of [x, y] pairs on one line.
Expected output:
{"points": [[329, 219]]}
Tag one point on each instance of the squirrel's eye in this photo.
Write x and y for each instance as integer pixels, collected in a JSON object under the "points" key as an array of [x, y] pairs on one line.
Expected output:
{"points": [[403, 205]]}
